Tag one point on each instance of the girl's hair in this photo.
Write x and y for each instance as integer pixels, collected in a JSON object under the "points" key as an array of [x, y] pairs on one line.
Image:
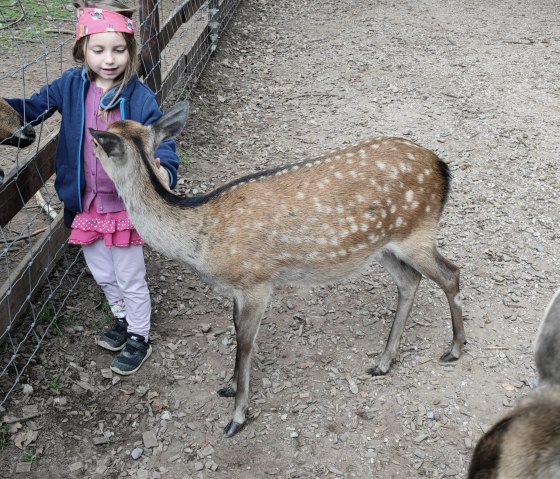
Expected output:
{"points": [[79, 51]]}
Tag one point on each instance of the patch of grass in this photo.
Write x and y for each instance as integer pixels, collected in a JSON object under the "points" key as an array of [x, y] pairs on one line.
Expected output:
{"points": [[105, 320], [49, 319], [28, 19], [54, 383], [184, 160], [28, 457], [4, 435]]}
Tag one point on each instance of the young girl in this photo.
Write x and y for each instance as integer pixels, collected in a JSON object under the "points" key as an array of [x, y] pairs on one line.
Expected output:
{"points": [[105, 89]]}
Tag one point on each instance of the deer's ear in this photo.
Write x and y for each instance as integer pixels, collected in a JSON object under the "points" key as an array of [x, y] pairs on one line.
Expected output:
{"points": [[547, 353], [172, 122], [110, 143]]}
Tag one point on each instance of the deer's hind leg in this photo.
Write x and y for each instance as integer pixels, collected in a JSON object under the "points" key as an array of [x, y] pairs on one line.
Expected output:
{"points": [[407, 280], [427, 260]]}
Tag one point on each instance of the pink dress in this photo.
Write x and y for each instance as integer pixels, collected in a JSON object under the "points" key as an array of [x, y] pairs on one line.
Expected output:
{"points": [[103, 216]]}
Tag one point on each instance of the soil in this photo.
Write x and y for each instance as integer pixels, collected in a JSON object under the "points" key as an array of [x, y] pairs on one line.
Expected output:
{"points": [[474, 81]]}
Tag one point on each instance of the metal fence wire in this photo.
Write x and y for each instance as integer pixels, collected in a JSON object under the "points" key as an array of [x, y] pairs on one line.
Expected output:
{"points": [[38, 271]]}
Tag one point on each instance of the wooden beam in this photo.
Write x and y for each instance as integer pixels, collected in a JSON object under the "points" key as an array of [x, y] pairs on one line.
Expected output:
{"points": [[30, 274], [19, 186]]}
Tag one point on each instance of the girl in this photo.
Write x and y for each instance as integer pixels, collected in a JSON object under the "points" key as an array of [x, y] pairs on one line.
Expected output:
{"points": [[103, 90]]}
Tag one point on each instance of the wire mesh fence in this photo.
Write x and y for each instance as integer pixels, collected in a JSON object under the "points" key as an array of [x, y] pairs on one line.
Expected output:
{"points": [[38, 271]]}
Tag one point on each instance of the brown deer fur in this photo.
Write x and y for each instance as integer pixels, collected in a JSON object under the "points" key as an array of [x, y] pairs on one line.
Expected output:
{"points": [[312, 222], [12, 130], [525, 444]]}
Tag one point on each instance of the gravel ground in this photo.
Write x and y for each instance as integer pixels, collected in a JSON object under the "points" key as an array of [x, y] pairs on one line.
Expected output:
{"points": [[473, 81]]}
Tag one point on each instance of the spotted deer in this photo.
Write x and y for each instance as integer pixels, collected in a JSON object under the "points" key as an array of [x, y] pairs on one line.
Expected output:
{"points": [[13, 132], [311, 222], [525, 444]]}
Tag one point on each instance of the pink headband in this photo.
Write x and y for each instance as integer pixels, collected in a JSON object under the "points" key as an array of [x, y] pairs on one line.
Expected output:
{"points": [[99, 20]]}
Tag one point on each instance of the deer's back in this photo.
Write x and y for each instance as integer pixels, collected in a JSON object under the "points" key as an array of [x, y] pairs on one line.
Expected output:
{"points": [[326, 216]]}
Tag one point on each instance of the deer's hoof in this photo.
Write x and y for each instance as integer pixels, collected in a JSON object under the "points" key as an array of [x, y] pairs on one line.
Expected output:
{"points": [[377, 371], [227, 392], [448, 357], [232, 428]]}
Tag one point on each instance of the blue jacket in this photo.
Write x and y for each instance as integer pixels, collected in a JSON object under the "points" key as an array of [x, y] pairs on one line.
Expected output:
{"points": [[67, 96]]}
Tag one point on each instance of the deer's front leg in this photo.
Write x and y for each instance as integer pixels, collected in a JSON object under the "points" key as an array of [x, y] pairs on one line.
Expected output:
{"points": [[248, 312]]}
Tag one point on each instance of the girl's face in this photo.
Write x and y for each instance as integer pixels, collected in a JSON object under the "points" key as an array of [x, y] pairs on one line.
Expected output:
{"points": [[107, 57]]}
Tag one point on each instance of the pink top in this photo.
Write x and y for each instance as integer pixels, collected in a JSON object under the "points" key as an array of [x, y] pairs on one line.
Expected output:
{"points": [[104, 216]]}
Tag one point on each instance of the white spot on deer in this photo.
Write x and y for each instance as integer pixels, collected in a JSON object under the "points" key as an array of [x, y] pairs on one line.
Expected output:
{"points": [[427, 172], [232, 250], [409, 195], [398, 222], [353, 174], [414, 205], [381, 165], [375, 146], [331, 255], [342, 252], [364, 227], [344, 233], [383, 213], [317, 162], [339, 209], [420, 178], [393, 208], [410, 156], [300, 195], [373, 238], [295, 167], [328, 159], [360, 198], [458, 301], [353, 227], [362, 153], [337, 157], [338, 175], [428, 209], [322, 241], [309, 165], [349, 154]]}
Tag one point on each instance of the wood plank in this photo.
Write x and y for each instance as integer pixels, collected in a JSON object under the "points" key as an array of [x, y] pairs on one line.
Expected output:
{"points": [[19, 187], [30, 274], [182, 14]]}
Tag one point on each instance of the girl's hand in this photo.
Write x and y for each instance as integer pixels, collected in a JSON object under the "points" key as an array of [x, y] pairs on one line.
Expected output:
{"points": [[163, 175]]}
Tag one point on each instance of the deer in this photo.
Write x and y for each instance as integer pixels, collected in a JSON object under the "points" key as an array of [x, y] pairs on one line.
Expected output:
{"points": [[525, 444], [312, 222], [13, 131]]}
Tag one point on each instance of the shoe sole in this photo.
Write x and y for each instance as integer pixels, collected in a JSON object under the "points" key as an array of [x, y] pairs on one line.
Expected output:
{"points": [[108, 347], [127, 373]]}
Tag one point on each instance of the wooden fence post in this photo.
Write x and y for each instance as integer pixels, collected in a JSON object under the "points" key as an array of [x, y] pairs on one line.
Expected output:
{"points": [[213, 24], [149, 38]]}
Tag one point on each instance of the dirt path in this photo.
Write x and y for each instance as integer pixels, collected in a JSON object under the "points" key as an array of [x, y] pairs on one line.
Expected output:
{"points": [[477, 83]]}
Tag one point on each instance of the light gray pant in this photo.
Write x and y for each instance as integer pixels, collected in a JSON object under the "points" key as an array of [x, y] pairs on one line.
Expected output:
{"points": [[121, 273]]}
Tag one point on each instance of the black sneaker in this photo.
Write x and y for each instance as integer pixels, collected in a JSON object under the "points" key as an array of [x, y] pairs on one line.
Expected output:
{"points": [[129, 360], [114, 339]]}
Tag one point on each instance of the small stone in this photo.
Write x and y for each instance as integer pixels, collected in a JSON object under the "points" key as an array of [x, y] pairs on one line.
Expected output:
{"points": [[106, 373], [150, 439], [136, 453], [100, 440], [27, 389], [142, 474], [205, 328], [198, 466], [206, 451], [76, 466], [166, 415], [294, 434], [23, 467]]}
